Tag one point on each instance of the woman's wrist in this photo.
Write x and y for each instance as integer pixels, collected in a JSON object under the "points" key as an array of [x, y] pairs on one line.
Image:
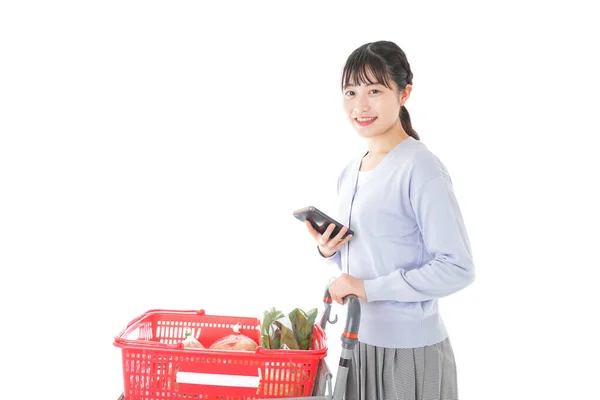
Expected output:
{"points": [[324, 253]]}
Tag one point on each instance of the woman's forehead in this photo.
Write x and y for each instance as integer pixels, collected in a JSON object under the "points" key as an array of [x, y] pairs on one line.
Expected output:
{"points": [[364, 76]]}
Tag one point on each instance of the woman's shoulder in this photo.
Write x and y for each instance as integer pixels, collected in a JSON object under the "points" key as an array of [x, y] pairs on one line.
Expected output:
{"points": [[345, 171], [423, 158], [424, 165]]}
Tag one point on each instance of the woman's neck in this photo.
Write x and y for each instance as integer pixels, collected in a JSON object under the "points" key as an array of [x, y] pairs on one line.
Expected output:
{"points": [[384, 143]]}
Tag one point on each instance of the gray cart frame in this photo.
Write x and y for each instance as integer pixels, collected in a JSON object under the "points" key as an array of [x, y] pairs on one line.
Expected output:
{"points": [[323, 382]]}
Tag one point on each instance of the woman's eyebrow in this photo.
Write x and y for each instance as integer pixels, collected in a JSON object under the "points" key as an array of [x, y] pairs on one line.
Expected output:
{"points": [[368, 84]]}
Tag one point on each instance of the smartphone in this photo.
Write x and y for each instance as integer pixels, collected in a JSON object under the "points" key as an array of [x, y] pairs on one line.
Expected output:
{"points": [[319, 220]]}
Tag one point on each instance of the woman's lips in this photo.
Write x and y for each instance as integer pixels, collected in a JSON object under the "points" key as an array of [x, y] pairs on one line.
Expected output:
{"points": [[365, 121]]}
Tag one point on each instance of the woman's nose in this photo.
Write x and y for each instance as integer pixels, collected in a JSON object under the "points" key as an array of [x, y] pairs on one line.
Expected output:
{"points": [[361, 105]]}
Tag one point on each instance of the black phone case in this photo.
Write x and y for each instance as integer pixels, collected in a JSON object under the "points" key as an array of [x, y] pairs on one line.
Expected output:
{"points": [[319, 220]]}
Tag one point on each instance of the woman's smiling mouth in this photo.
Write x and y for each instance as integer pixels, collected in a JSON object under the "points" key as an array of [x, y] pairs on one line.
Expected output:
{"points": [[364, 121]]}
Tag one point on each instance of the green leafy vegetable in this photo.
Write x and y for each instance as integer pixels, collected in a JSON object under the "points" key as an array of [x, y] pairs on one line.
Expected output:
{"points": [[288, 339], [275, 335], [270, 334], [303, 325]]}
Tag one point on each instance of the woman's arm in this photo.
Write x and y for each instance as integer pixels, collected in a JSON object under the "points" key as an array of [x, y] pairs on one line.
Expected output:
{"points": [[335, 259], [442, 227]]}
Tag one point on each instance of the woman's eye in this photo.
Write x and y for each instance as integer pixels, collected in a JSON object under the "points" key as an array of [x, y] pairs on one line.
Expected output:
{"points": [[349, 93], [376, 91]]}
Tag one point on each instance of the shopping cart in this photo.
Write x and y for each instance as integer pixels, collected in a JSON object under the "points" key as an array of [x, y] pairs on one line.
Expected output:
{"points": [[156, 366]]}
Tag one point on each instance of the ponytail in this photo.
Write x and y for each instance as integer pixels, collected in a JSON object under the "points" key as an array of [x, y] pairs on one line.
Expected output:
{"points": [[406, 124]]}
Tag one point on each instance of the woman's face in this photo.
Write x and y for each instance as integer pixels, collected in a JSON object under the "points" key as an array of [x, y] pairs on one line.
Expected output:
{"points": [[373, 108]]}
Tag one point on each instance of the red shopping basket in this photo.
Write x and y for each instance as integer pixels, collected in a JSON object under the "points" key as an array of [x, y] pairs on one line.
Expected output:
{"points": [[156, 366]]}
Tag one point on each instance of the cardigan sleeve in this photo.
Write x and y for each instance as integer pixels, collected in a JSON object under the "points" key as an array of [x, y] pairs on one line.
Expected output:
{"points": [[442, 227]]}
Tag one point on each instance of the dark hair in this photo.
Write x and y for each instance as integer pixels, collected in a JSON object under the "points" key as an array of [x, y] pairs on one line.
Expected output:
{"points": [[385, 61]]}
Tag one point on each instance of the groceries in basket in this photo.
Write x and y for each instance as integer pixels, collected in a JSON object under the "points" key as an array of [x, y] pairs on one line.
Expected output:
{"points": [[235, 341], [157, 357], [191, 342], [291, 333]]}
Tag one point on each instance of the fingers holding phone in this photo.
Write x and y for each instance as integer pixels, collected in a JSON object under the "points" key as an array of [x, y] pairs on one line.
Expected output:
{"points": [[329, 245], [327, 232]]}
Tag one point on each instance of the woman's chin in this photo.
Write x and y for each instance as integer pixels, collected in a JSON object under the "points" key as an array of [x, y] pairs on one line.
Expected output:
{"points": [[367, 133]]}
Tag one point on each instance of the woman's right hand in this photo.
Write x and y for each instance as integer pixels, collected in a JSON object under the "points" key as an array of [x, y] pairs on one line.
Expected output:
{"points": [[329, 246]]}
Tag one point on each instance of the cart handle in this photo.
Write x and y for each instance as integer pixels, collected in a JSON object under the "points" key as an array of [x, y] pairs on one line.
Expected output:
{"points": [[353, 319]]}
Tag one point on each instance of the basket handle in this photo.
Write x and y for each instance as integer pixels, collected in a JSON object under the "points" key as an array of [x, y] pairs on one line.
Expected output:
{"points": [[135, 321], [161, 311], [119, 342]]}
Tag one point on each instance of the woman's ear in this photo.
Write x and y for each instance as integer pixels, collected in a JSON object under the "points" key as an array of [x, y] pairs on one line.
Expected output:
{"points": [[405, 94]]}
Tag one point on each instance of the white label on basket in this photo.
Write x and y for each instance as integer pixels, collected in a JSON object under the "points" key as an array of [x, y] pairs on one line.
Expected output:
{"points": [[217, 379]]}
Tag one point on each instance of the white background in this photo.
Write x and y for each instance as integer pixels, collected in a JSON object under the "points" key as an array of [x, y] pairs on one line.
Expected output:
{"points": [[151, 154]]}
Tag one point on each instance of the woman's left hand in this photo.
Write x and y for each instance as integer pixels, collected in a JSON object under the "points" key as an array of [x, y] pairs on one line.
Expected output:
{"points": [[345, 285]]}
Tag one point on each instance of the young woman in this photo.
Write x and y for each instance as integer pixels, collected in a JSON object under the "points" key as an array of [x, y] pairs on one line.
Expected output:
{"points": [[410, 245]]}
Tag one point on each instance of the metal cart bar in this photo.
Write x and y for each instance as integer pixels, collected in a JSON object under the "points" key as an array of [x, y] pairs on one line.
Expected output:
{"points": [[349, 340]]}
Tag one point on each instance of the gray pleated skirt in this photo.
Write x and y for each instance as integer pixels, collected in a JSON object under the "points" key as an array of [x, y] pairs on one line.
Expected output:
{"points": [[423, 373]]}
